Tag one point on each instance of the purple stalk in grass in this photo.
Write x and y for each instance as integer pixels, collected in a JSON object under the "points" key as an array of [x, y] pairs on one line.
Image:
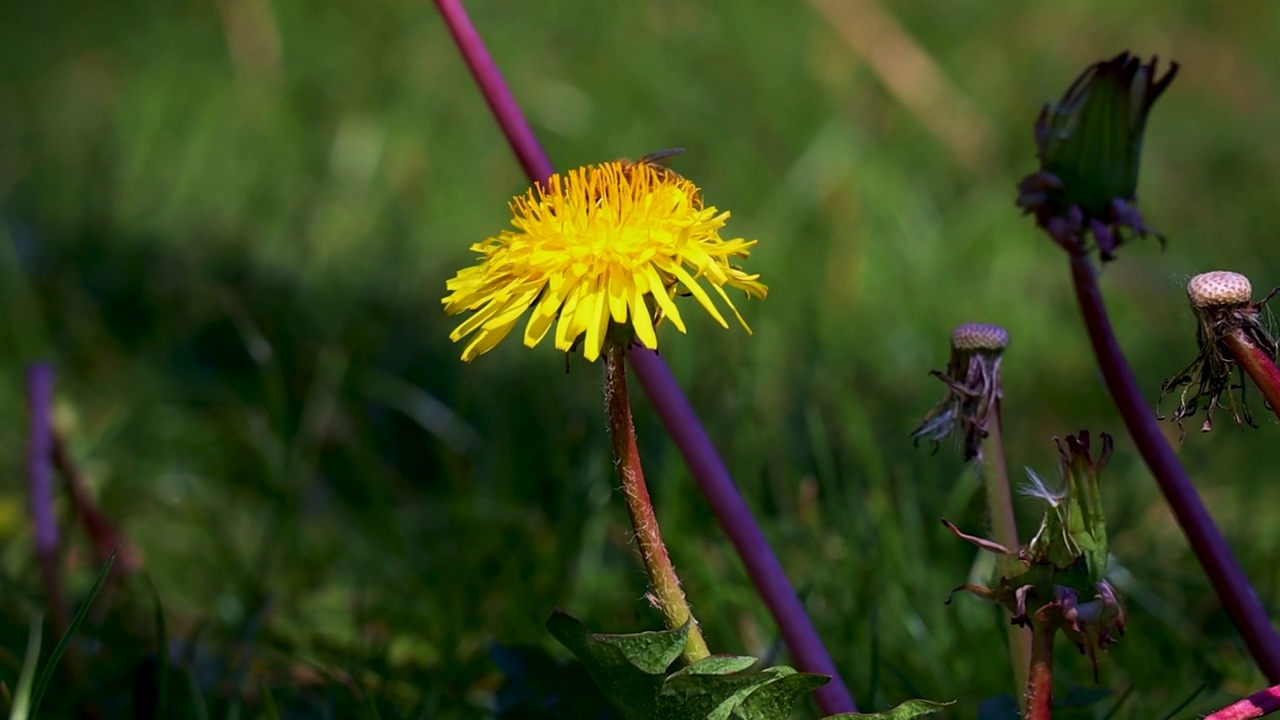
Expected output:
{"points": [[1084, 196], [40, 485], [673, 408], [762, 565]]}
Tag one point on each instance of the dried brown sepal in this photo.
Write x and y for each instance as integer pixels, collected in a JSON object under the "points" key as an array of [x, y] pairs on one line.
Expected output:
{"points": [[973, 392], [1222, 304], [1032, 590]]}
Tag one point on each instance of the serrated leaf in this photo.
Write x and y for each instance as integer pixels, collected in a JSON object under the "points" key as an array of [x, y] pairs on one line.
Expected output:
{"points": [[710, 697], [651, 652], [719, 665], [775, 700], [628, 669], [906, 711]]}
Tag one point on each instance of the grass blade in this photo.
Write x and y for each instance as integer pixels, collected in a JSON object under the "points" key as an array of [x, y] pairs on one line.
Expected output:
{"points": [[162, 657], [46, 675], [269, 703], [22, 706]]}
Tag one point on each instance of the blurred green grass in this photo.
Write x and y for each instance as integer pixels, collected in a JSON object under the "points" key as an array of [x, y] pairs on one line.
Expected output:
{"points": [[229, 226]]}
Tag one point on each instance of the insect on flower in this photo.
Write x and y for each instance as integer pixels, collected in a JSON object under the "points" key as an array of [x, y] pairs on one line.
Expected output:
{"points": [[601, 249], [659, 160]]}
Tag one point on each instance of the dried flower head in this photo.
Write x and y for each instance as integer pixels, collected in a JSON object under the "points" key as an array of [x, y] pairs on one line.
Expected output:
{"points": [[1090, 147], [608, 244], [1044, 580], [973, 389], [1222, 302]]}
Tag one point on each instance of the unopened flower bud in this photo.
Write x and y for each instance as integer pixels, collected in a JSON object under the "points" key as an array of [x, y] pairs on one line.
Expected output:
{"points": [[1090, 147]]}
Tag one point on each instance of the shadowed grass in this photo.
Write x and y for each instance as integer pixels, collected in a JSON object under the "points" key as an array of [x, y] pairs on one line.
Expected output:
{"points": [[218, 259]]}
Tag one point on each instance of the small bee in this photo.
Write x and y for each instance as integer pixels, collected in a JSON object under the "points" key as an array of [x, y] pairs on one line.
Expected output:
{"points": [[657, 160]]}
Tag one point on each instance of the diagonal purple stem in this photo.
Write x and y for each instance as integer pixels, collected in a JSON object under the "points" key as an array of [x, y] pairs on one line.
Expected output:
{"points": [[503, 104], [40, 484], [734, 515], [673, 408], [40, 456], [1210, 547]]}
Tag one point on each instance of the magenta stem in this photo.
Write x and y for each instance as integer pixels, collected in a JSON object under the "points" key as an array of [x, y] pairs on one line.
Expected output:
{"points": [[1263, 702], [1208, 543], [40, 485], [766, 573], [735, 517], [503, 104]]}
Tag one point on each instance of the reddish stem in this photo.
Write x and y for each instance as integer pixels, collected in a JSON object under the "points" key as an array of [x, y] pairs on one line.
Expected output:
{"points": [[1257, 364], [503, 104], [663, 581], [103, 534], [1039, 704], [1206, 540], [1263, 702]]}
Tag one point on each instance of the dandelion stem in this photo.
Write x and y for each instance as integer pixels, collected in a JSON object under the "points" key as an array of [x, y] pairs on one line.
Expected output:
{"points": [[995, 475], [40, 485], [674, 409], [1206, 540], [1263, 702], [665, 585], [503, 104], [1255, 361], [1039, 700], [735, 517]]}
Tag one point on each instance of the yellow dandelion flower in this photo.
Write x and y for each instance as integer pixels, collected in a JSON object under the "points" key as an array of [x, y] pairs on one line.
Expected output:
{"points": [[610, 242]]}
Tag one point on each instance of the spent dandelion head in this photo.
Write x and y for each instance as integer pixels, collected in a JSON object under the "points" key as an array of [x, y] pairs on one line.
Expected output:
{"points": [[604, 246], [1223, 304], [973, 389], [1059, 576]]}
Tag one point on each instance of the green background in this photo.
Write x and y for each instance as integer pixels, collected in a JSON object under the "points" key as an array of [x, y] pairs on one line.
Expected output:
{"points": [[228, 225]]}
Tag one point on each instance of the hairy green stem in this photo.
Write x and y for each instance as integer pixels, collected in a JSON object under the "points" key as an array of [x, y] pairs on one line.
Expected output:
{"points": [[995, 475]]}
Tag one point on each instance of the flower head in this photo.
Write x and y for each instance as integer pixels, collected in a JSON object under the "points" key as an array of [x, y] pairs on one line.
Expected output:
{"points": [[1090, 144], [612, 243], [1223, 304], [973, 390]]}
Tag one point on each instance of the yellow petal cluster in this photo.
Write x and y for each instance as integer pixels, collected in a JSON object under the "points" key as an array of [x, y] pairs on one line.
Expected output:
{"points": [[614, 242]]}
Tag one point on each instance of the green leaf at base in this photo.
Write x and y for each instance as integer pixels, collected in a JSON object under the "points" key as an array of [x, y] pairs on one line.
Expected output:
{"points": [[629, 669], [906, 711], [775, 700]]}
